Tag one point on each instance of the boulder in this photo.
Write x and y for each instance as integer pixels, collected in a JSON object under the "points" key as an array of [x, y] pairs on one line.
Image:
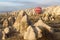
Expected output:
{"points": [[18, 19], [4, 32], [41, 23], [33, 33], [5, 23], [23, 24]]}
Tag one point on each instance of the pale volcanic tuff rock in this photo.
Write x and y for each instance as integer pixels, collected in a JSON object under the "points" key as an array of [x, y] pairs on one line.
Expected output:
{"points": [[4, 32], [41, 23], [51, 12], [54, 9], [14, 13], [30, 12], [11, 20], [21, 22], [18, 19], [36, 30], [1, 35], [48, 13], [5, 23], [33, 32]]}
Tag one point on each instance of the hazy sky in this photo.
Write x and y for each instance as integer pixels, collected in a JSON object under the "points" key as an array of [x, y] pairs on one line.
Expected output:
{"points": [[16, 4]]}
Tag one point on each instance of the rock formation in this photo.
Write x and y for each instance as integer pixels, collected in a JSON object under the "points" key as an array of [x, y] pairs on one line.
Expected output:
{"points": [[41, 23], [50, 13], [18, 19], [30, 25], [33, 32], [23, 24]]}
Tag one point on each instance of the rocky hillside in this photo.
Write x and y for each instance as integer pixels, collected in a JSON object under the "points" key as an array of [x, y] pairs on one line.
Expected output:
{"points": [[28, 25]]}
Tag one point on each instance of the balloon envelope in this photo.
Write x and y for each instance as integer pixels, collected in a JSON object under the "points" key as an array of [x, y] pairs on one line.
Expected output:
{"points": [[38, 10]]}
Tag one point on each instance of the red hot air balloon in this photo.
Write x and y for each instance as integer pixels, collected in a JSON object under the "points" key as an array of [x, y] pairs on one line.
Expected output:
{"points": [[38, 10]]}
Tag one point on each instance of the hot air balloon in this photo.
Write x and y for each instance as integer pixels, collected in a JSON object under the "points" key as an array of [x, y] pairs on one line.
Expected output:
{"points": [[38, 10]]}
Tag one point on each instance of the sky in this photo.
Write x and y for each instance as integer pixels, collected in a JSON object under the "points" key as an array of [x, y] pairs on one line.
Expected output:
{"points": [[9, 5]]}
